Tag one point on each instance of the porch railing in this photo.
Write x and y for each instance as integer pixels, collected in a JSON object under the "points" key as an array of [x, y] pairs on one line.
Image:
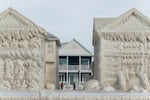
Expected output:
{"points": [[85, 67], [74, 67], [62, 67]]}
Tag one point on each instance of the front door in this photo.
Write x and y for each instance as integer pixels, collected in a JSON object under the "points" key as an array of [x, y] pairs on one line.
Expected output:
{"points": [[73, 78]]}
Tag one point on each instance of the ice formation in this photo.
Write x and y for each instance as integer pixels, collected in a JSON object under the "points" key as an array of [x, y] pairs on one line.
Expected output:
{"points": [[92, 85]]}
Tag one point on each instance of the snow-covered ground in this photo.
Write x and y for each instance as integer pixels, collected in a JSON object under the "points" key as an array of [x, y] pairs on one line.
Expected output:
{"points": [[71, 95]]}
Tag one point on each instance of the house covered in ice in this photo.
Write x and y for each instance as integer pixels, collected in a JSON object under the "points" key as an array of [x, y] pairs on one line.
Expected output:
{"points": [[28, 53]]}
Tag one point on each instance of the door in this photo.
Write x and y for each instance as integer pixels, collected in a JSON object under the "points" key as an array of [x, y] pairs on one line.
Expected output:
{"points": [[73, 78]]}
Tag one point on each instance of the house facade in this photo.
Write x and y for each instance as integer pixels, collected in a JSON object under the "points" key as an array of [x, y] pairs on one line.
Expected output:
{"points": [[122, 44], [27, 53], [52, 45], [74, 63]]}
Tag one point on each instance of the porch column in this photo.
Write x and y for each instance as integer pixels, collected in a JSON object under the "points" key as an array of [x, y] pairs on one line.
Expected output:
{"points": [[79, 70], [67, 71]]}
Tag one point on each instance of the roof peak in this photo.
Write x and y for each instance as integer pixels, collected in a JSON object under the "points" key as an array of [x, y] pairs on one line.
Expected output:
{"points": [[132, 11], [125, 16], [9, 10], [78, 43]]}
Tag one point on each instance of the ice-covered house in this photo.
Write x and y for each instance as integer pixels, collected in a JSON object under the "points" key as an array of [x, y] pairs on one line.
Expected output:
{"points": [[122, 44], [28, 53]]}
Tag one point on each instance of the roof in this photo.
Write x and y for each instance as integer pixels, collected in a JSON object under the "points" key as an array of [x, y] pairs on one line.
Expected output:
{"points": [[129, 22], [10, 19], [101, 22], [50, 36], [98, 24], [73, 48]]}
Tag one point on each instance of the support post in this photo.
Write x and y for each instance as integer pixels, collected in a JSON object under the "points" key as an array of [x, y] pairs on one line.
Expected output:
{"points": [[79, 70], [67, 72]]}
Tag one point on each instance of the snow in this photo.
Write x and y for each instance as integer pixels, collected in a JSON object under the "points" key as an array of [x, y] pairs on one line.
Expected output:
{"points": [[71, 95]]}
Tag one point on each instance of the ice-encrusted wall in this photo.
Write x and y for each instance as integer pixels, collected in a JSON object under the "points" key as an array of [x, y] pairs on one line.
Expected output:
{"points": [[122, 51], [129, 57], [21, 61], [21, 52]]}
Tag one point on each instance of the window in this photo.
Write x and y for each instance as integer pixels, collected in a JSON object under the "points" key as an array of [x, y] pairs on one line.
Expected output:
{"points": [[74, 60], [62, 61], [84, 61]]}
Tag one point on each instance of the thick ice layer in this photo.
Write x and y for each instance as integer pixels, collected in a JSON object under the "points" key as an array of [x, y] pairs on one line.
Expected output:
{"points": [[70, 95]]}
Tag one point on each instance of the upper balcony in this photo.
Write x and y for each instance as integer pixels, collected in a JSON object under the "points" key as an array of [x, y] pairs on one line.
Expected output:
{"points": [[74, 64], [74, 68]]}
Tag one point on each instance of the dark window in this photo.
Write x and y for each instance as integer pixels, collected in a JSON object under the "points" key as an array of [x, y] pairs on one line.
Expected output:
{"points": [[62, 60], [73, 60]]}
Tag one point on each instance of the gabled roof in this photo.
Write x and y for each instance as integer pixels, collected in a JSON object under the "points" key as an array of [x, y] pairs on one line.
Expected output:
{"points": [[130, 21], [10, 19], [73, 48], [101, 22]]}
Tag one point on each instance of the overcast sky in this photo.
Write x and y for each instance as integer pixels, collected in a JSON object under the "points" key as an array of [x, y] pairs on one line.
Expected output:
{"points": [[68, 19]]}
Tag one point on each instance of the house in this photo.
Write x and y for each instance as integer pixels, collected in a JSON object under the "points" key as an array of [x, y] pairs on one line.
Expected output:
{"points": [[122, 45], [52, 45], [28, 53], [74, 63]]}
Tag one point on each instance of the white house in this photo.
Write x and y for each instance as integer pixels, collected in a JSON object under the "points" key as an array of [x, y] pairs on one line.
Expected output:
{"points": [[74, 63]]}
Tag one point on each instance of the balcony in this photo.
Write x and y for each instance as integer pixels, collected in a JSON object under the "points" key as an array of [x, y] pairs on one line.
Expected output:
{"points": [[85, 68], [74, 68]]}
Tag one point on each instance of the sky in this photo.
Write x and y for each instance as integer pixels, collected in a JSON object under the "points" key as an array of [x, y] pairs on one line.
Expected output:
{"points": [[73, 19]]}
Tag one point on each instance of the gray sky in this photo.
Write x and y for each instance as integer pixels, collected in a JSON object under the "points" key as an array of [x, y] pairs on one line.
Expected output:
{"points": [[68, 19]]}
